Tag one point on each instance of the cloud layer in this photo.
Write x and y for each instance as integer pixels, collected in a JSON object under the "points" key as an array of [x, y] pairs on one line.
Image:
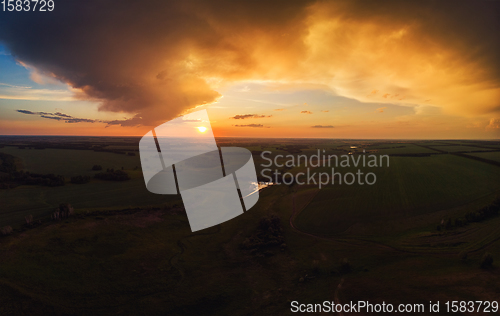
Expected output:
{"points": [[158, 59], [247, 116], [322, 126], [58, 116], [250, 125]]}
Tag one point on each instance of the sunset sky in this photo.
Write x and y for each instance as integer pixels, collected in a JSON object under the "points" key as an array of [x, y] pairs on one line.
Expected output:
{"points": [[340, 69]]}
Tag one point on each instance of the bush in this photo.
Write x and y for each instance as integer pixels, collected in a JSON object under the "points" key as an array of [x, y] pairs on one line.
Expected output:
{"points": [[6, 230], [345, 266], [96, 168], [29, 220], [487, 260], [80, 179], [315, 267]]}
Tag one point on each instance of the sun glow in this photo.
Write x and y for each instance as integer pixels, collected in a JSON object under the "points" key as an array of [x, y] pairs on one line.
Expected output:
{"points": [[202, 129]]}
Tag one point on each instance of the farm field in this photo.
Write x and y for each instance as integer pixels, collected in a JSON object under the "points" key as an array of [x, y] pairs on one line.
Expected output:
{"points": [[149, 262], [476, 143], [401, 149], [494, 156], [127, 250], [40, 201], [70, 162], [410, 186], [453, 148]]}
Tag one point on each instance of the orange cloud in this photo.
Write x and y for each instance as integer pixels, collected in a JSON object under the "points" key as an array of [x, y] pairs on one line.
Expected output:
{"points": [[250, 125], [176, 55], [247, 116], [322, 126], [494, 124]]}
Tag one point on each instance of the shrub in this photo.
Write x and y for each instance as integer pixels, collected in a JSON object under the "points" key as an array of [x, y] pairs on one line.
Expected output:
{"points": [[447, 223], [487, 260], [345, 266], [29, 219], [315, 267], [6, 230]]}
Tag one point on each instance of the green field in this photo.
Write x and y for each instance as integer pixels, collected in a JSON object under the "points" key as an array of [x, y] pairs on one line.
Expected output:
{"points": [[473, 143], [464, 148], [68, 162], [494, 156], [401, 149], [411, 186], [40, 201], [148, 262], [128, 251]]}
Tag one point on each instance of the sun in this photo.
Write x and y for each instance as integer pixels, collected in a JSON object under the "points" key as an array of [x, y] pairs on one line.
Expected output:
{"points": [[202, 129]]}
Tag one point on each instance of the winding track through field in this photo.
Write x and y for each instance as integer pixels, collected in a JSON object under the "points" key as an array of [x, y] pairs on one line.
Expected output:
{"points": [[350, 241], [370, 243]]}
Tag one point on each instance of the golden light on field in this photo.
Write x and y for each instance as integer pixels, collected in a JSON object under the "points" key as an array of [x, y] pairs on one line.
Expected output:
{"points": [[202, 129]]}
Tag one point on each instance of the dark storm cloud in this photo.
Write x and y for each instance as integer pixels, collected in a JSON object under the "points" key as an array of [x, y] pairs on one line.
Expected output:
{"points": [[156, 59], [149, 57]]}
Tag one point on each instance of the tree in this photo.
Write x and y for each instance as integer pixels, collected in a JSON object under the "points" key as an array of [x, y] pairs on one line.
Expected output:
{"points": [[80, 179], [64, 210], [112, 175]]}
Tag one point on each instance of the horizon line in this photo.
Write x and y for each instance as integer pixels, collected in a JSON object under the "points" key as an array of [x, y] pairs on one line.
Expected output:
{"points": [[336, 138]]}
